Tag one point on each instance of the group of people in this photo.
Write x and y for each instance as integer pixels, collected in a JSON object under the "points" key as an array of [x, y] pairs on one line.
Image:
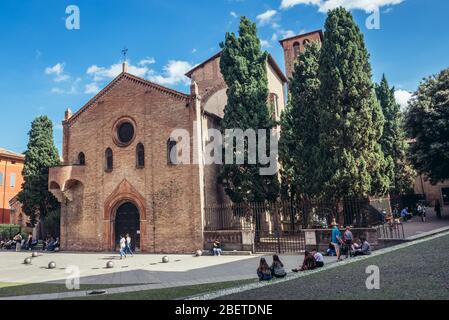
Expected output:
{"points": [[407, 213], [19, 242], [345, 244], [276, 270], [125, 246], [340, 243], [312, 260]]}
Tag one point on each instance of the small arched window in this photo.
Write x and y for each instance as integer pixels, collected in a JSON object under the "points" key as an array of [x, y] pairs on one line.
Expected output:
{"points": [[172, 152], [296, 49], [109, 159], [81, 159], [140, 156], [274, 103]]}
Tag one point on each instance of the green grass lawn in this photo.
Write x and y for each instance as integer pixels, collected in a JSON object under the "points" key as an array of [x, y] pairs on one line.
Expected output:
{"points": [[169, 293], [8, 289]]}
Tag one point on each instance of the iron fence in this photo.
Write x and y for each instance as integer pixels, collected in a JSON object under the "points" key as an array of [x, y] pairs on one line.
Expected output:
{"points": [[391, 231]]}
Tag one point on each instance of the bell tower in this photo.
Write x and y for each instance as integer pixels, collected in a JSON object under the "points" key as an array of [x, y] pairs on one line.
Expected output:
{"points": [[294, 46]]}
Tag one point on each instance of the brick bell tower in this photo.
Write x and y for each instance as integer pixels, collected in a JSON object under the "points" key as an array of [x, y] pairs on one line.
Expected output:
{"points": [[294, 46]]}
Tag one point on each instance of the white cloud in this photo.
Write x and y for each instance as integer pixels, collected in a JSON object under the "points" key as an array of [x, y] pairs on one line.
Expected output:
{"points": [[108, 73], [265, 44], [403, 97], [194, 50], [233, 14], [58, 71], [146, 62], [174, 73], [266, 17], [286, 4], [325, 5], [72, 90], [91, 88], [287, 34]]}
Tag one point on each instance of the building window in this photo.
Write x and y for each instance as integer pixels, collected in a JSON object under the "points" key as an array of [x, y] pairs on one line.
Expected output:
{"points": [[296, 49], [81, 159], [109, 159], [12, 179], [140, 155], [1, 178], [124, 132], [172, 152]]}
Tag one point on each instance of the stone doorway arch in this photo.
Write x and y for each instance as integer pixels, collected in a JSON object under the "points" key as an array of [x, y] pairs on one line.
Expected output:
{"points": [[124, 194], [127, 222]]}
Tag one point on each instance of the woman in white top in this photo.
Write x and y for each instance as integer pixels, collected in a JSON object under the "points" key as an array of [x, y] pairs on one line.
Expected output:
{"points": [[122, 247]]}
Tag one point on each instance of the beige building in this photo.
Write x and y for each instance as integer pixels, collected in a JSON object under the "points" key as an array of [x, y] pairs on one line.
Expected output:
{"points": [[432, 193], [117, 177]]}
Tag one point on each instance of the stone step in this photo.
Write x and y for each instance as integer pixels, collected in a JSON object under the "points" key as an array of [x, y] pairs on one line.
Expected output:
{"points": [[230, 253]]}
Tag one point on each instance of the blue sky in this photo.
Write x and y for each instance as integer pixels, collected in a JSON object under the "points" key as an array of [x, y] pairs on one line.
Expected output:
{"points": [[47, 68]]}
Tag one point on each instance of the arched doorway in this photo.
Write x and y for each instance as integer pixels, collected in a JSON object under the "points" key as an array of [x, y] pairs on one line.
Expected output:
{"points": [[127, 221]]}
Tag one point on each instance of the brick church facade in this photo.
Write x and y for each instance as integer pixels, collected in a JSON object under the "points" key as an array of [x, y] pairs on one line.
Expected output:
{"points": [[117, 177]]}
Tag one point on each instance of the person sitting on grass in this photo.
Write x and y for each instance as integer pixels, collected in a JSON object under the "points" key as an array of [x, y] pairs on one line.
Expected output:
{"points": [[362, 250], [309, 262], [319, 259], [277, 268], [264, 272]]}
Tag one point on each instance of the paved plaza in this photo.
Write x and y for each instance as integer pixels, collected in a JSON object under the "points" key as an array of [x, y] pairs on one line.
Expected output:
{"points": [[140, 269]]}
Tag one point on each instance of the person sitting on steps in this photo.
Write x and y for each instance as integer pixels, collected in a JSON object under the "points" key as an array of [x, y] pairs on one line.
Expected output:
{"points": [[217, 249]]}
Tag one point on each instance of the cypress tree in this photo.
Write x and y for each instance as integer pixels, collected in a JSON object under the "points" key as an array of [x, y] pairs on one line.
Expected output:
{"points": [[427, 123], [393, 142], [243, 65], [351, 118], [41, 154], [300, 123]]}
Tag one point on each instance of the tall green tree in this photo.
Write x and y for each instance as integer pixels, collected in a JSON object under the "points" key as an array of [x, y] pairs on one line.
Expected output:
{"points": [[243, 65], [351, 119], [427, 123], [300, 127], [41, 154], [393, 142]]}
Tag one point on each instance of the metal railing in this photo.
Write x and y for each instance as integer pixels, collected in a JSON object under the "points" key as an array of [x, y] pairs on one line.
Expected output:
{"points": [[391, 231]]}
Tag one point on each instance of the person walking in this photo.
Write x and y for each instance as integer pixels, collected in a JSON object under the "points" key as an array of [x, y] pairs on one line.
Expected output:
{"points": [[348, 239], [422, 212], [336, 240], [29, 241], [122, 247], [18, 239], [128, 245], [438, 209]]}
